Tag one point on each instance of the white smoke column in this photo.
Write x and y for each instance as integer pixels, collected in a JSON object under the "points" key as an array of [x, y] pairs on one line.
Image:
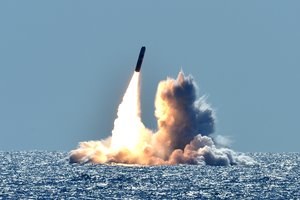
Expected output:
{"points": [[129, 134], [128, 125]]}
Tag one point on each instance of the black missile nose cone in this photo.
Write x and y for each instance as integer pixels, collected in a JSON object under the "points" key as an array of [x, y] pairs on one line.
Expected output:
{"points": [[140, 59]]}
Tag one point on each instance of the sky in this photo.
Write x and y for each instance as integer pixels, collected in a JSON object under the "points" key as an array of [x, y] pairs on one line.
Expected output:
{"points": [[65, 65]]}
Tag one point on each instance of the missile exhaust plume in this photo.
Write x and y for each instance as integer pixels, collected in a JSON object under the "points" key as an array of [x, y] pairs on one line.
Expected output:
{"points": [[128, 119], [184, 121]]}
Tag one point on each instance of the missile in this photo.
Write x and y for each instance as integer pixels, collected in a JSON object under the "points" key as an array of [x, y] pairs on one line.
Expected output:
{"points": [[140, 59]]}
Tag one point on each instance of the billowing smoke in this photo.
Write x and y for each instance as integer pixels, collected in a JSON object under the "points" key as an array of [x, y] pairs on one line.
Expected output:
{"points": [[180, 116], [184, 122]]}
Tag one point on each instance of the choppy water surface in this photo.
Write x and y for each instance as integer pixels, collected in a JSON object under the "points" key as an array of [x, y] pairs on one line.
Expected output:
{"points": [[40, 174]]}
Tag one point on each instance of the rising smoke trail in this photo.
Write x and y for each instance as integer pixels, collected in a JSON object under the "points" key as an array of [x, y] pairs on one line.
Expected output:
{"points": [[128, 119], [184, 122]]}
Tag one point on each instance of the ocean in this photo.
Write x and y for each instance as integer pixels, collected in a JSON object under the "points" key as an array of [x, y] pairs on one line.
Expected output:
{"points": [[49, 175]]}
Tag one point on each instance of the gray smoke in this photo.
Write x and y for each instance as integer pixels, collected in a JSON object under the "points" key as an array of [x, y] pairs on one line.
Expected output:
{"points": [[187, 116], [185, 124]]}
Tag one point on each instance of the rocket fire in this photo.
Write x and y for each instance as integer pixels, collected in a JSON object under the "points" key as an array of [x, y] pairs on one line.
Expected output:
{"points": [[184, 126], [184, 122]]}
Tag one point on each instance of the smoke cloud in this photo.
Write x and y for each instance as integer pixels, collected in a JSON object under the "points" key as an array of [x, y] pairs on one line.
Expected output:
{"points": [[185, 124]]}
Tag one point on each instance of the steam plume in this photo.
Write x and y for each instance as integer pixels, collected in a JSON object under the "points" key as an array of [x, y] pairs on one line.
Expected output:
{"points": [[183, 137]]}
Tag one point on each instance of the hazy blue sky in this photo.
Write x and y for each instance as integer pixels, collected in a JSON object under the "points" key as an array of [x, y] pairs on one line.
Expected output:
{"points": [[64, 66]]}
